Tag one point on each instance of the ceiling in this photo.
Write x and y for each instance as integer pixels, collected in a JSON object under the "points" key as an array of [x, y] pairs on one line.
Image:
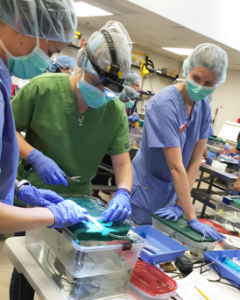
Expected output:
{"points": [[150, 31]]}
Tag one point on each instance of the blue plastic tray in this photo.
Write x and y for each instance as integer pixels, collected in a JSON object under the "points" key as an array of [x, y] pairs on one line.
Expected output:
{"points": [[169, 247], [224, 270]]}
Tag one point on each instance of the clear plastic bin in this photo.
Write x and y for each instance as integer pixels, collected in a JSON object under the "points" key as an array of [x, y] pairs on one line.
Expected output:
{"points": [[227, 214], [196, 248], [90, 271], [134, 140]]}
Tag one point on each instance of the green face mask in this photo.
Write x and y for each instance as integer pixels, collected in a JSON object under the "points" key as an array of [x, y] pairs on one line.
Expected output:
{"points": [[196, 92], [129, 104]]}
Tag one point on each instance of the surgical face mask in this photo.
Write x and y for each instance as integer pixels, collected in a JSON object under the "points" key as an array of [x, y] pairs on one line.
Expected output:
{"points": [[129, 104], [94, 97], [196, 92], [73, 73], [28, 66]]}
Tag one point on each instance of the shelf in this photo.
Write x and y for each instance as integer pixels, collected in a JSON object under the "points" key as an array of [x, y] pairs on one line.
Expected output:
{"points": [[159, 74]]}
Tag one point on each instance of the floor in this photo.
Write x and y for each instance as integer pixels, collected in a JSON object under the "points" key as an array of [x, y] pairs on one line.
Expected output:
{"points": [[6, 266]]}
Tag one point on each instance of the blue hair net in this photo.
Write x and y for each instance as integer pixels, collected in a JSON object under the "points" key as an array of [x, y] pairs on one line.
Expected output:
{"points": [[62, 61], [209, 56], [131, 78], [127, 93], [54, 19], [100, 51]]}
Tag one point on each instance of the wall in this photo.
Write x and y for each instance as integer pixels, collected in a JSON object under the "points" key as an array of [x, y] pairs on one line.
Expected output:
{"points": [[227, 99]]}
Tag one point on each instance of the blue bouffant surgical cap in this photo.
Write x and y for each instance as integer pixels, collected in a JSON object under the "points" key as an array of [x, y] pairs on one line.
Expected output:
{"points": [[131, 78], [127, 93], [53, 19], [100, 51], [61, 62], [209, 56]]}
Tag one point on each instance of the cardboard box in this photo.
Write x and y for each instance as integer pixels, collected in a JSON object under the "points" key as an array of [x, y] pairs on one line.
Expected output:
{"points": [[169, 72]]}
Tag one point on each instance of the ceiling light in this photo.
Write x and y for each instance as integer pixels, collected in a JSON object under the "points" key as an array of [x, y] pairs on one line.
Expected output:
{"points": [[180, 51], [86, 10]]}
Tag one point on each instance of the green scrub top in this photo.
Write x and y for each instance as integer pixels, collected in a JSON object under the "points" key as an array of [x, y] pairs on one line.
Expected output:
{"points": [[238, 145], [47, 109]]}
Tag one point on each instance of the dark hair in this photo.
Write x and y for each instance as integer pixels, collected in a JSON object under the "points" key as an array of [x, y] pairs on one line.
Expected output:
{"points": [[238, 137], [59, 69]]}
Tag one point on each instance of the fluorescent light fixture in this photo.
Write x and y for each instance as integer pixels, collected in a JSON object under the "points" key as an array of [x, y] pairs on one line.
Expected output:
{"points": [[86, 10], [180, 51]]}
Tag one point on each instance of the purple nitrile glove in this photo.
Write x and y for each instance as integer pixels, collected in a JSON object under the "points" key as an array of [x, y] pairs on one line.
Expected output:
{"points": [[206, 230], [119, 209], [67, 213], [46, 168], [174, 212], [38, 197]]}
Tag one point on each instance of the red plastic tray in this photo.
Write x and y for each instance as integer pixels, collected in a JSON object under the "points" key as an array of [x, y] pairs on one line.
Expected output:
{"points": [[219, 228], [151, 280]]}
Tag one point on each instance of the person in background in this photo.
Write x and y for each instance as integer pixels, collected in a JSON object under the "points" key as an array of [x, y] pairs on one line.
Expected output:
{"points": [[206, 154], [174, 137], [62, 64], [133, 81]]}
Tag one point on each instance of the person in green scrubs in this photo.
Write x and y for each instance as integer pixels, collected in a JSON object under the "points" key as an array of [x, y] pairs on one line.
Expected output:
{"points": [[71, 124]]}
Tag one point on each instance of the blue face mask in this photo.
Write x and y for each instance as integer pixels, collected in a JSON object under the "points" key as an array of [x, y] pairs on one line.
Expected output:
{"points": [[94, 97], [196, 92], [129, 104], [28, 66], [73, 73]]}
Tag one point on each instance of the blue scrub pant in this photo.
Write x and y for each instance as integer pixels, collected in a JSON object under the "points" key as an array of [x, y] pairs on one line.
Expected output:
{"points": [[141, 216], [15, 282]]}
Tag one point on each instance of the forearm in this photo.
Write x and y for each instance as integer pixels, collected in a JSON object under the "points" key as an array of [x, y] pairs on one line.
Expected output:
{"points": [[205, 154], [181, 184], [24, 147], [15, 219], [233, 150], [123, 171], [192, 172]]}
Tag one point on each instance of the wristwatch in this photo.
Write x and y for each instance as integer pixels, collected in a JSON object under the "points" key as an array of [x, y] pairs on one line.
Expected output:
{"points": [[19, 185]]}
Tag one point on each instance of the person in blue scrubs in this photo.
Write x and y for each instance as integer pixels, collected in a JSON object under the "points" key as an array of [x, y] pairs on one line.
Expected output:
{"points": [[133, 81], [62, 64], [174, 137], [26, 44], [206, 154]]}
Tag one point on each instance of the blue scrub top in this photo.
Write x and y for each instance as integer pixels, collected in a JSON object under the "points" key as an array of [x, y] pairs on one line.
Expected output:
{"points": [[165, 117], [133, 109], [8, 139]]}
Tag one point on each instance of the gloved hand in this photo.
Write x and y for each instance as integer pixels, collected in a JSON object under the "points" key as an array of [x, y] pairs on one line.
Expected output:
{"points": [[206, 230], [38, 197], [47, 169], [170, 212], [227, 146], [133, 118], [67, 213], [209, 160], [119, 209]]}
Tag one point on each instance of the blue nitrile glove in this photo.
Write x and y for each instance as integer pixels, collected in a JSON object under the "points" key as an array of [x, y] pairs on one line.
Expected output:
{"points": [[227, 146], [38, 197], [133, 118], [170, 212], [67, 213], [206, 230], [46, 168], [119, 209], [209, 160]]}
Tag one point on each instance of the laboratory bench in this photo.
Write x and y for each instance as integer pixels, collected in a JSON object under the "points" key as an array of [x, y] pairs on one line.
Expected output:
{"points": [[205, 196], [44, 287]]}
